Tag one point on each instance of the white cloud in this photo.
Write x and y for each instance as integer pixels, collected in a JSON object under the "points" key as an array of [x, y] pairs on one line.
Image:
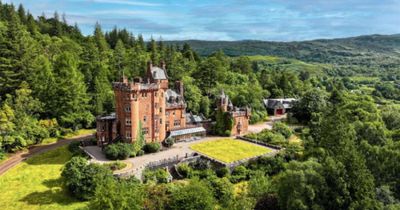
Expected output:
{"points": [[127, 2]]}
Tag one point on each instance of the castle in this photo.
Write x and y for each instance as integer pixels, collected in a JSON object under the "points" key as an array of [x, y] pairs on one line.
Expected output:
{"points": [[151, 109]]}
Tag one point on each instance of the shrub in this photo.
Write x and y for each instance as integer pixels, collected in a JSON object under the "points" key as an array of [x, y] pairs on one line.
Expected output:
{"points": [[185, 170], [169, 142], [283, 129], [222, 172], [117, 165], [140, 153], [239, 174], [158, 175], [151, 147], [268, 136], [74, 148], [82, 178], [200, 164], [118, 151], [2, 154]]}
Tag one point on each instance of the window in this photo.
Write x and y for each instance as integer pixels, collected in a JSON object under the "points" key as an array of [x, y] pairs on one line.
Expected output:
{"points": [[177, 123], [155, 94], [127, 108], [144, 118], [160, 109], [160, 120], [173, 113], [128, 121], [128, 135], [145, 131]]}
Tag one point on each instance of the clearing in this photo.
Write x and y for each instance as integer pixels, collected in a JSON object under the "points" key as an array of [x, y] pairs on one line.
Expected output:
{"points": [[229, 150], [37, 184]]}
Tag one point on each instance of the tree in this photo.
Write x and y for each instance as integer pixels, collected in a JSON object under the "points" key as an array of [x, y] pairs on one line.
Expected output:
{"points": [[193, 196], [118, 194], [223, 190], [192, 95], [72, 104], [312, 102], [82, 178], [301, 186]]}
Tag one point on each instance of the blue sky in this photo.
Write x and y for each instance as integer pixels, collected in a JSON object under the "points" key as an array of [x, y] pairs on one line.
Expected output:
{"points": [[275, 20]]}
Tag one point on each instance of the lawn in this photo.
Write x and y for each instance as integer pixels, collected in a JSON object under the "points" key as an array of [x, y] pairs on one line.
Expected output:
{"points": [[229, 150], [36, 184]]}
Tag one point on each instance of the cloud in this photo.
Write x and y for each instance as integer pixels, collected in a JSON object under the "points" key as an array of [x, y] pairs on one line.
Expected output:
{"points": [[279, 20], [127, 2]]}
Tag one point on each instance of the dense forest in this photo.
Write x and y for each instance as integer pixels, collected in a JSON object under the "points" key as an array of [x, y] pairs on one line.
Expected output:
{"points": [[54, 80]]}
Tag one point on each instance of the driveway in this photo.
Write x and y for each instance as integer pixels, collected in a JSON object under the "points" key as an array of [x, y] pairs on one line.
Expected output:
{"points": [[139, 163]]}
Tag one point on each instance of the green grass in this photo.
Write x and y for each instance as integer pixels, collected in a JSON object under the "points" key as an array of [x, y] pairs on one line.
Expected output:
{"points": [[37, 184], [229, 150], [80, 132]]}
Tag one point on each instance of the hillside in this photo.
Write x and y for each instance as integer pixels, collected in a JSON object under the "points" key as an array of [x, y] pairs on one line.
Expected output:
{"points": [[364, 50]]}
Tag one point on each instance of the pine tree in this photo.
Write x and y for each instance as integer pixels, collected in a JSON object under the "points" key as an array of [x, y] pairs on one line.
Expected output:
{"points": [[72, 107]]}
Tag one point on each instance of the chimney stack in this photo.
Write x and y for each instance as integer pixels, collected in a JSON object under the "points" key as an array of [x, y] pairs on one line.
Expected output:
{"points": [[179, 87], [162, 64]]}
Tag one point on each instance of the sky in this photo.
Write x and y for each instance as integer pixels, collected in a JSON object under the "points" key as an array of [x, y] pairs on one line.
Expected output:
{"points": [[273, 20]]}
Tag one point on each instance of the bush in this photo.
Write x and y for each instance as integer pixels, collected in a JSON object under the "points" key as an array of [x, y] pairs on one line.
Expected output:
{"points": [[222, 172], [82, 178], [169, 142], [185, 170], [74, 148], [158, 176], [200, 164], [151, 147], [269, 137], [114, 166], [239, 174], [2, 154], [140, 153], [283, 129], [118, 151]]}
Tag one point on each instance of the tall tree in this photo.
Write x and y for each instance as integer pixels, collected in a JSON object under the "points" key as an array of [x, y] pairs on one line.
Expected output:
{"points": [[72, 107]]}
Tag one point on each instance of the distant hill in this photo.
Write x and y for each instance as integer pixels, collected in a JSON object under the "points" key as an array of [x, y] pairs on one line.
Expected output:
{"points": [[383, 50]]}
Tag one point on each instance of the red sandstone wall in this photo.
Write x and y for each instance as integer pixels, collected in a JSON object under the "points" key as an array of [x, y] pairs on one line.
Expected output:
{"points": [[179, 115]]}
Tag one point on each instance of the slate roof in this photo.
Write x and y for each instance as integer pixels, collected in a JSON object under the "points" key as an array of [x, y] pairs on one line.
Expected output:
{"points": [[107, 117], [172, 98], [191, 118], [158, 73], [286, 103], [187, 131]]}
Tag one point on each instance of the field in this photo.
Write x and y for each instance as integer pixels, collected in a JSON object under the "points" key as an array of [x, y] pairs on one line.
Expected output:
{"points": [[229, 150], [37, 184]]}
